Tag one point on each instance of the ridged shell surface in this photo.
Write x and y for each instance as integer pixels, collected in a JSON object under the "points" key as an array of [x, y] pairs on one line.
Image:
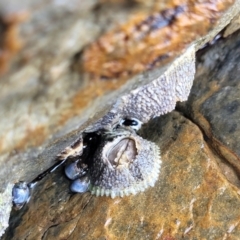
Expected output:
{"points": [[124, 164]]}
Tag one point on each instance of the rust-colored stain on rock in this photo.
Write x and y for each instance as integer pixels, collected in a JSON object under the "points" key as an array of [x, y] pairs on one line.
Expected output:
{"points": [[150, 39], [92, 90], [191, 199], [33, 137], [146, 40], [10, 41], [214, 99]]}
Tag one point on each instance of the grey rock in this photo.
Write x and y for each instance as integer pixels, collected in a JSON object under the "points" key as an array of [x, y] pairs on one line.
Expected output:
{"points": [[28, 164]]}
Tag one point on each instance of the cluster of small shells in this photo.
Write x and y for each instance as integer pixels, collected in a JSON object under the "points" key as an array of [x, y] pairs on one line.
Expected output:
{"points": [[122, 163], [141, 169]]}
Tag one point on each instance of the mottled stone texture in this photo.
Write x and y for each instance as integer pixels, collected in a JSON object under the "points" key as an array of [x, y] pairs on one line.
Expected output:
{"points": [[160, 95], [216, 108], [151, 37], [5, 208], [153, 93], [43, 98], [192, 199]]}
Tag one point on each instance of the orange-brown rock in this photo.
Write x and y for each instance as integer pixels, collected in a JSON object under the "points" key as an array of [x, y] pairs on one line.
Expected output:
{"points": [[150, 38], [214, 100], [10, 41], [191, 199], [42, 92], [42, 81]]}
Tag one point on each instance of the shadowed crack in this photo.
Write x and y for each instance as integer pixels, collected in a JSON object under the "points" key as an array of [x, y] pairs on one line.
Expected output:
{"points": [[77, 217], [214, 144]]}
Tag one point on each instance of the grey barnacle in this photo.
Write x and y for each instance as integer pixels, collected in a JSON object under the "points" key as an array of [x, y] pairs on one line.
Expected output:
{"points": [[123, 164], [114, 162]]}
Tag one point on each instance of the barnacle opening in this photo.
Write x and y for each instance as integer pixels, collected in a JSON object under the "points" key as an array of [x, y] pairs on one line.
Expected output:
{"points": [[122, 153], [142, 173], [118, 163]]}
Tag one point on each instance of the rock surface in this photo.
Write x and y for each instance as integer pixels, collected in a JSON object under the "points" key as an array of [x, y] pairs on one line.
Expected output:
{"points": [[194, 196], [45, 98], [5, 208], [150, 37], [216, 107]]}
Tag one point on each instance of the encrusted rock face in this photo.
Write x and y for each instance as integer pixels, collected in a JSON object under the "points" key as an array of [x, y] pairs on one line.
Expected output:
{"points": [[123, 165], [216, 108], [5, 208], [113, 163], [151, 37], [190, 200], [43, 92], [158, 96]]}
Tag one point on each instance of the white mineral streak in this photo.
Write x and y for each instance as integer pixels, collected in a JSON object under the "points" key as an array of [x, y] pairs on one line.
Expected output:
{"points": [[5, 208]]}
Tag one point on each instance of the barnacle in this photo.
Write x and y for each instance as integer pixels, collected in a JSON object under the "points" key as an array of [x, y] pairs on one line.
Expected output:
{"points": [[156, 95], [120, 164], [127, 165]]}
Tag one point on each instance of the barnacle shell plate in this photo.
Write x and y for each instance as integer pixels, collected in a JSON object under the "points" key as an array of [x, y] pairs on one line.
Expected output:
{"points": [[127, 165]]}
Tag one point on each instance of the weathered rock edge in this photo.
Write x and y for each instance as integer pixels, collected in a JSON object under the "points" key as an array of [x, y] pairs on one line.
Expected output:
{"points": [[141, 87], [5, 208]]}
